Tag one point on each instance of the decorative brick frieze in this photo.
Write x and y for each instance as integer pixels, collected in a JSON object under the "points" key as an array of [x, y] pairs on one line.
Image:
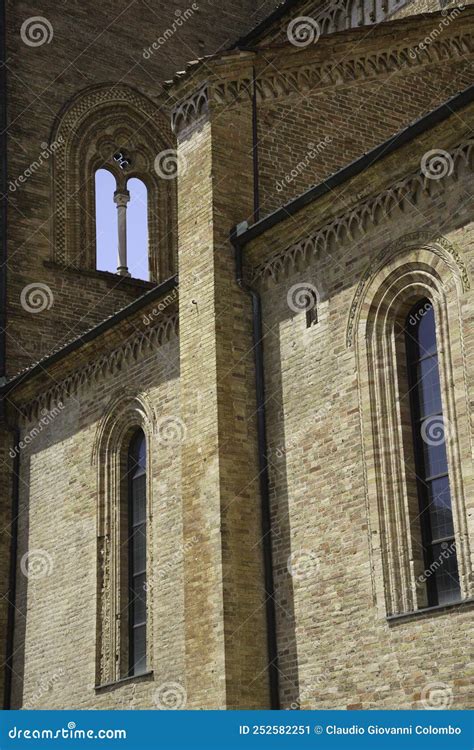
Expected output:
{"points": [[356, 221], [311, 77], [133, 349], [190, 109]]}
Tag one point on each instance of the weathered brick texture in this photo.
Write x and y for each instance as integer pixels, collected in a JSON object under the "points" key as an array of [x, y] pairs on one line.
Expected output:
{"points": [[338, 644]]}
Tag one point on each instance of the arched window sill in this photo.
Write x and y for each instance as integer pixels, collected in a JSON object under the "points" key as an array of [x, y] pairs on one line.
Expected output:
{"points": [[144, 677], [427, 611], [113, 279]]}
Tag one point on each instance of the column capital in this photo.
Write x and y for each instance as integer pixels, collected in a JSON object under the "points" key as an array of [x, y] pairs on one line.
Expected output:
{"points": [[121, 198]]}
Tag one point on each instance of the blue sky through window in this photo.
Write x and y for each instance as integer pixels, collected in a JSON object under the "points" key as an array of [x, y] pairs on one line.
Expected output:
{"points": [[106, 225], [105, 221], [137, 230]]}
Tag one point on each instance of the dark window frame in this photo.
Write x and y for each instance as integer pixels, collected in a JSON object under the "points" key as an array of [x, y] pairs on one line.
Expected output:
{"points": [[135, 471], [423, 479]]}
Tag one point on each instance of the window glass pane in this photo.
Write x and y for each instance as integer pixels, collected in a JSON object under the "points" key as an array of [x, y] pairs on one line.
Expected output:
{"points": [[139, 599], [426, 331], [434, 454], [139, 499], [439, 508], [430, 434], [139, 650], [139, 549], [138, 452], [446, 574], [137, 553], [429, 387]]}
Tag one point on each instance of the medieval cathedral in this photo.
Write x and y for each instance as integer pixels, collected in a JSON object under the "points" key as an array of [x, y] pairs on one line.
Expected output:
{"points": [[236, 461]]}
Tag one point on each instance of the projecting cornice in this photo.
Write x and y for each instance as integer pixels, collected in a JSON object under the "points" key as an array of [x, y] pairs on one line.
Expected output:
{"points": [[136, 347], [328, 65]]}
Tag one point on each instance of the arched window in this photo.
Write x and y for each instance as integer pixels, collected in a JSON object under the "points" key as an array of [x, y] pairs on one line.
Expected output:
{"points": [[415, 425], [119, 129], [430, 432], [137, 553], [105, 221]]}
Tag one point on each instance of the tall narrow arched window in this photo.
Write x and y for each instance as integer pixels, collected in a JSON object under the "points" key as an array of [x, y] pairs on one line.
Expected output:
{"points": [[137, 229], [105, 221], [137, 555], [430, 431]]}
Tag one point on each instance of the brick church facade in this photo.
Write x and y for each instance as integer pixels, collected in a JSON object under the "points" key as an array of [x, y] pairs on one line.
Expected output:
{"points": [[245, 481]]}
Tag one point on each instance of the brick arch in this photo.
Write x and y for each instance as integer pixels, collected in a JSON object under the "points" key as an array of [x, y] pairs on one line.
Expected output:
{"points": [[392, 500], [124, 415], [436, 249], [83, 134]]}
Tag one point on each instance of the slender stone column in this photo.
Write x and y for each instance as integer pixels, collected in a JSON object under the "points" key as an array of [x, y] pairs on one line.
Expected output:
{"points": [[121, 199]]}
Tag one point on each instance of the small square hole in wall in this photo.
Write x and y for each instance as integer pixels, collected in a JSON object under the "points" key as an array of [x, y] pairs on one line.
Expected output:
{"points": [[312, 309]]}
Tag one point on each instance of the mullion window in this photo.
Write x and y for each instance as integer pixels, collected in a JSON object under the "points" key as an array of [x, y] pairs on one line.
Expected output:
{"points": [[431, 459]]}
